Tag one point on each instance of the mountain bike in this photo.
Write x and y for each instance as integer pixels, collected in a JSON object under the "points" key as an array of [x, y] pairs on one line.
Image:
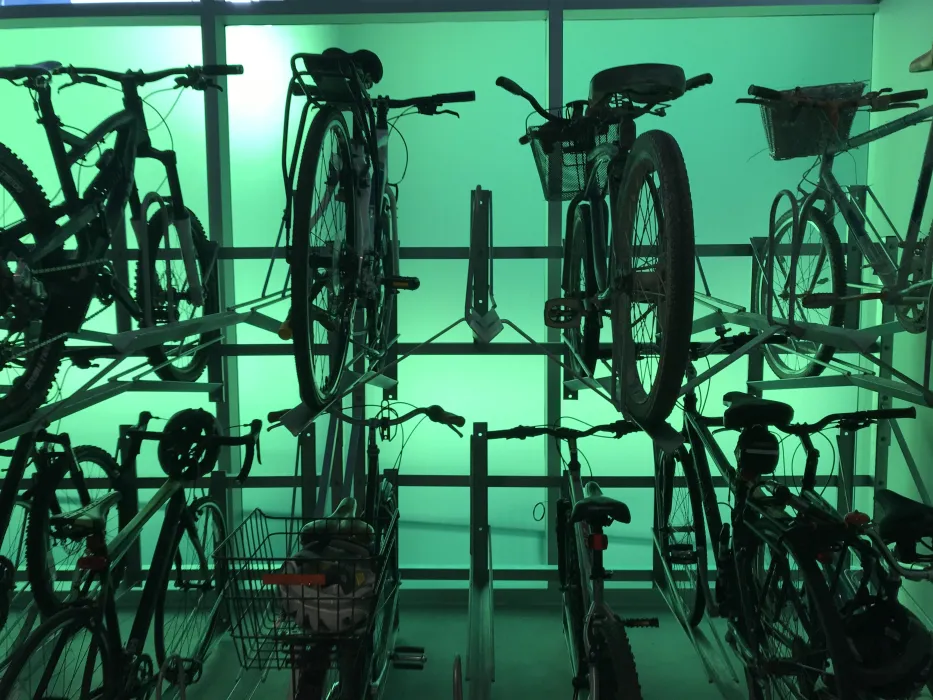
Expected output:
{"points": [[586, 156], [53, 271], [808, 595], [330, 614], [816, 122], [18, 610], [344, 256], [79, 652], [601, 657]]}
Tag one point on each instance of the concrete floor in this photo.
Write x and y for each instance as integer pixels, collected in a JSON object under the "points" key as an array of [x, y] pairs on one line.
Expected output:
{"points": [[531, 661]]}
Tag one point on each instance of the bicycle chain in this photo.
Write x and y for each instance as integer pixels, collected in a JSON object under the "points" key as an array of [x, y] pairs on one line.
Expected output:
{"points": [[62, 268]]}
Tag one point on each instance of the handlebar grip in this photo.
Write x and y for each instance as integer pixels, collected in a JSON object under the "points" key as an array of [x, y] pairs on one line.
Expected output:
{"points": [[765, 93], [510, 86], [448, 97], [907, 96], [222, 69], [439, 415], [890, 413], [699, 81]]}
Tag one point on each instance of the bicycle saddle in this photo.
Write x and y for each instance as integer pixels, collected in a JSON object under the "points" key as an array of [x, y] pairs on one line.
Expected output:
{"points": [[342, 522], [745, 410], [923, 63], [646, 83], [900, 518], [366, 61], [596, 509], [28, 70]]}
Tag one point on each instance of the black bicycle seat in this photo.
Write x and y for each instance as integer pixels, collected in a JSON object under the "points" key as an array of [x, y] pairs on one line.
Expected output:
{"points": [[366, 61], [899, 518], [343, 522], [745, 410], [597, 510]]}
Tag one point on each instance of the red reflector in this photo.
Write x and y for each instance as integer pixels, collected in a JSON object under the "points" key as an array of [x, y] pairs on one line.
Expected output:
{"points": [[857, 518], [93, 563], [598, 543], [294, 579], [824, 557]]}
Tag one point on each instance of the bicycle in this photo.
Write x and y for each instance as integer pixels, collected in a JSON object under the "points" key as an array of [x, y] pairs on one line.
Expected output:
{"points": [[357, 267], [18, 611], [52, 272], [331, 614], [816, 122], [601, 657], [586, 156], [808, 595], [109, 667]]}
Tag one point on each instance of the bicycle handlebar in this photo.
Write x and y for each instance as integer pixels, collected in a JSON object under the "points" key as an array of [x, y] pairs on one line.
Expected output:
{"points": [[619, 428], [854, 420], [142, 78], [878, 101]]}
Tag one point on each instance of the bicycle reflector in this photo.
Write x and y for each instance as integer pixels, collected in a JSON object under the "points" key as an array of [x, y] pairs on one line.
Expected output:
{"points": [[597, 541]]}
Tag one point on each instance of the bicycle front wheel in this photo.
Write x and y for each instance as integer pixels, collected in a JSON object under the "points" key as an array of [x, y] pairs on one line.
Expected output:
{"points": [[66, 657], [820, 270], [681, 532], [17, 611], [652, 275], [322, 264], [380, 307], [189, 602], [581, 282]]}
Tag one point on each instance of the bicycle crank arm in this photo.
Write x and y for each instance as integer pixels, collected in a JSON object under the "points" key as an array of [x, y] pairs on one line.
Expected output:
{"points": [[398, 283]]}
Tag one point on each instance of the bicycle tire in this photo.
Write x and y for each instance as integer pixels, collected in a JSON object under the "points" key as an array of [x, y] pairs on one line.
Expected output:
{"points": [[836, 258], [572, 610], [654, 152], [199, 508], [694, 604], [44, 501], [30, 390], [379, 311], [615, 664], [304, 314], [157, 230], [17, 611], [71, 621], [581, 280]]}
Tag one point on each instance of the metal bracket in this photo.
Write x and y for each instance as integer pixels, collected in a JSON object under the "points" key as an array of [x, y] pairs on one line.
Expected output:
{"points": [[480, 308]]}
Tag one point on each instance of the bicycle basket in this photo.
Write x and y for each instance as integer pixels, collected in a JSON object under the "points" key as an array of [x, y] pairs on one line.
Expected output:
{"points": [[799, 131], [561, 158], [283, 597]]}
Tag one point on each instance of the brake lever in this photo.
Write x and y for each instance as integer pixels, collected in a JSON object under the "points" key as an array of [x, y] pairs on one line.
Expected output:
{"points": [[433, 111], [76, 79], [454, 428]]}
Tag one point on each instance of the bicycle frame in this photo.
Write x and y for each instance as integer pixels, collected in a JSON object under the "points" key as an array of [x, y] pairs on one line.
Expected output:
{"points": [[110, 191], [591, 590], [894, 276]]}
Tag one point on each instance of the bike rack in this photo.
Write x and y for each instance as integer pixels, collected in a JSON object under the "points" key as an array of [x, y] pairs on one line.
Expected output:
{"points": [[480, 306], [117, 347], [481, 656]]}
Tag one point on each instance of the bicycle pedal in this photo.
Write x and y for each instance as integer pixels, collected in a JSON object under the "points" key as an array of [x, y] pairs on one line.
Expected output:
{"points": [[409, 658], [563, 313], [399, 283], [641, 622]]}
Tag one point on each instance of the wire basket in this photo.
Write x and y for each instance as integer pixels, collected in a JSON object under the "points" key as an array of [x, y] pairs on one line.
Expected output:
{"points": [[800, 131], [285, 596], [561, 157]]}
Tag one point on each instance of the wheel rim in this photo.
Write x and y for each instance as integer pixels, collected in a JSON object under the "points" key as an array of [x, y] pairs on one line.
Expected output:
{"points": [[328, 241], [20, 615], [641, 310], [814, 275], [678, 536]]}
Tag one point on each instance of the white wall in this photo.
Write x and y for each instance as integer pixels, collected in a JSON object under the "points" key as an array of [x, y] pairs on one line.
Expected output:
{"points": [[903, 30]]}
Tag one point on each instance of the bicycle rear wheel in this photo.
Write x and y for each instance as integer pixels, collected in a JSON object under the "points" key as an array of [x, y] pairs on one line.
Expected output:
{"points": [[34, 315], [653, 280], [18, 613], [52, 554], [189, 603], [169, 296], [681, 531], [323, 301], [581, 281], [615, 662], [66, 657], [823, 272]]}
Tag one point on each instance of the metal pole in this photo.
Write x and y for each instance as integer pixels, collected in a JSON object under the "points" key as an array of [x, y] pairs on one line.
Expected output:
{"points": [[307, 455], [222, 369], [886, 355], [129, 488], [554, 375]]}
